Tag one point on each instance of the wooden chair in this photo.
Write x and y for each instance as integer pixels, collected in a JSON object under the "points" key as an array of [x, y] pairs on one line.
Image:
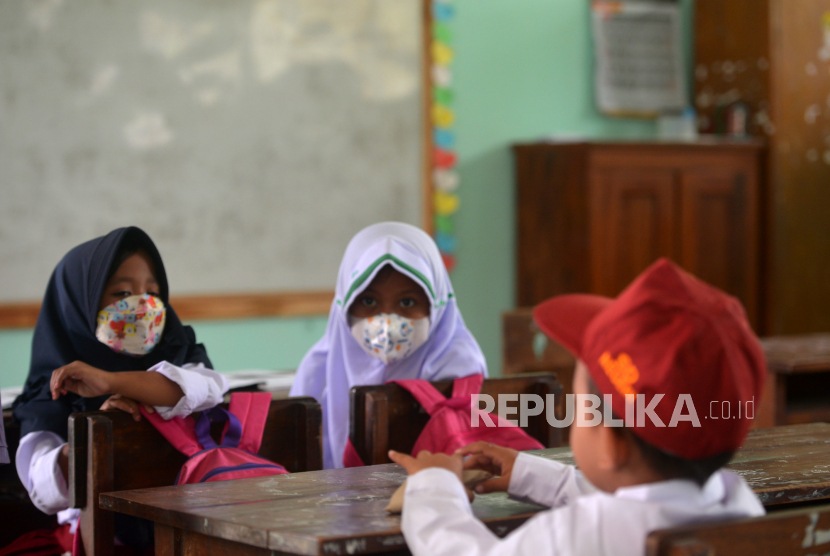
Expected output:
{"points": [[527, 350], [387, 417], [794, 532], [109, 451]]}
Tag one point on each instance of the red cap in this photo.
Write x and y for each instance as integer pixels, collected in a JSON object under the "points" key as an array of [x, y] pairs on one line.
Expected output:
{"points": [[672, 334]]}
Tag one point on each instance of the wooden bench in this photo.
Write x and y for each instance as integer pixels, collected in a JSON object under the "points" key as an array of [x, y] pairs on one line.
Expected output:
{"points": [[109, 451], [803, 532], [388, 417]]}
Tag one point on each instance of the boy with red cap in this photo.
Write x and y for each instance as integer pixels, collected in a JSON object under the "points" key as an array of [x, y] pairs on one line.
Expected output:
{"points": [[667, 357]]}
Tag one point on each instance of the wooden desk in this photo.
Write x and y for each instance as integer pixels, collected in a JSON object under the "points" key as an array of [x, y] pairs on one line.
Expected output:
{"points": [[798, 382], [786, 465], [319, 512], [783, 465], [341, 511]]}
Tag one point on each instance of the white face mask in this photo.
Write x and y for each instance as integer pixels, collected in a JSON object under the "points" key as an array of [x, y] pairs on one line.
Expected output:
{"points": [[133, 325], [389, 336]]}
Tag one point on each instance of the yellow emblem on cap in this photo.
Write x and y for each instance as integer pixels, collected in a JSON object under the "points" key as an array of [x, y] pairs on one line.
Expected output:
{"points": [[621, 371]]}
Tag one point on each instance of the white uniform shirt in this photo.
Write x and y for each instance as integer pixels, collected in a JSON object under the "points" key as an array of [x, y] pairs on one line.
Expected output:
{"points": [[437, 518], [37, 454]]}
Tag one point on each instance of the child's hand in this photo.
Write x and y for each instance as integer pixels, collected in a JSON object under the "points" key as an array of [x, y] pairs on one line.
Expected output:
{"points": [[117, 401], [425, 460], [497, 460], [81, 379]]}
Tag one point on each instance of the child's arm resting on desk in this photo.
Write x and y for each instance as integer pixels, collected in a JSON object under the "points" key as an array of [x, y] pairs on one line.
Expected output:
{"points": [[173, 390], [89, 382], [525, 477], [42, 458], [203, 388], [438, 520]]}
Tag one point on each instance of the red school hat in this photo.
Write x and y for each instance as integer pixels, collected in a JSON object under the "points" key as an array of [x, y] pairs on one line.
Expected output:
{"points": [[667, 333]]}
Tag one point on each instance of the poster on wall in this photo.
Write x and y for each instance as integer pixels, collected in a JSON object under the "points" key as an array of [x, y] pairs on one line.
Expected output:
{"points": [[638, 57]]}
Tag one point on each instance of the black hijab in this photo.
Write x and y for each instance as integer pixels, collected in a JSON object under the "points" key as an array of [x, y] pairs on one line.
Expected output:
{"points": [[65, 330]]}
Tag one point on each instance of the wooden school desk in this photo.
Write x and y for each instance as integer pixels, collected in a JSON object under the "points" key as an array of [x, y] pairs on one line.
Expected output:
{"points": [[798, 381], [341, 511], [319, 512], [783, 465]]}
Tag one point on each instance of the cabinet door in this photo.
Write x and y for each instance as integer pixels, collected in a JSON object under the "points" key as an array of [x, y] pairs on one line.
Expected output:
{"points": [[632, 218], [719, 230]]}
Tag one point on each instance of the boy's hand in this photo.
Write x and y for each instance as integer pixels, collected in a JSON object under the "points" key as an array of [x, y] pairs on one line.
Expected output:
{"points": [[117, 401], [425, 459], [80, 378], [497, 460]]}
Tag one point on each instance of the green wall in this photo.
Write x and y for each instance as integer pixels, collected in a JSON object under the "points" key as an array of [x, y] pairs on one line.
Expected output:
{"points": [[523, 70], [15, 347]]}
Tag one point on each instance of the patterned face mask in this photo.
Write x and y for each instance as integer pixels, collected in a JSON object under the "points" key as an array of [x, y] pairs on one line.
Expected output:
{"points": [[389, 336], [133, 325]]}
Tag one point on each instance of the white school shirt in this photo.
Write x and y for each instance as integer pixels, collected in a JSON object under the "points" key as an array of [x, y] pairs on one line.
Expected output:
{"points": [[37, 455], [437, 518]]}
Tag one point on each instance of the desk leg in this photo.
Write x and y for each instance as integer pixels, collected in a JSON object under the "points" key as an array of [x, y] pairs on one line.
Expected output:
{"points": [[769, 410], [168, 540]]}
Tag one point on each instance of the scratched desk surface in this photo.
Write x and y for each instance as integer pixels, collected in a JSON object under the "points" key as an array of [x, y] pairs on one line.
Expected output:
{"points": [[318, 512], [786, 464], [783, 465], [341, 511]]}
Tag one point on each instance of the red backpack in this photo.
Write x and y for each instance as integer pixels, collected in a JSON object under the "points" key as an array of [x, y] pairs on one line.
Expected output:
{"points": [[449, 427], [235, 457]]}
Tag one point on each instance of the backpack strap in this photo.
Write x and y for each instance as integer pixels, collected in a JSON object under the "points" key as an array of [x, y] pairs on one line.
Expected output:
{"points": [[432, 400], [350, 456], [251, 408], [466, 386], [424, 392], [178, 431], [230, 437]]}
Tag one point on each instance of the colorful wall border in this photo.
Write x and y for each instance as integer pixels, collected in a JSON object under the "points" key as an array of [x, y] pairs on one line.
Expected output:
{"points": [[441, 133]]}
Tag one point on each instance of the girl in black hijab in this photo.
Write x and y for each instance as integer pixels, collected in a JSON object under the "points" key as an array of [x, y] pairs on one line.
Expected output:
{"points": [[104, 321]]}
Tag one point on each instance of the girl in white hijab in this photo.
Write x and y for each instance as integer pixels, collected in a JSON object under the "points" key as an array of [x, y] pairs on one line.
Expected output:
{"points": [[393, 317]]}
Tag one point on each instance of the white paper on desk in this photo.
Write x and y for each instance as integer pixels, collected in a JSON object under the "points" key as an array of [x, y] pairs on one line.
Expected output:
{"points": [[638, 57], [267, 380]]}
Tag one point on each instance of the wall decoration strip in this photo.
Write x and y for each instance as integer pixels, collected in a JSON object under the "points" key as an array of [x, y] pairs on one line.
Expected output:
{"points": [[442, 118]]}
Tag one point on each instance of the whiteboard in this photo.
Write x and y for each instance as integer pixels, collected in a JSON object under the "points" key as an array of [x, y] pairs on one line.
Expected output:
{"points": [[251, 139]]}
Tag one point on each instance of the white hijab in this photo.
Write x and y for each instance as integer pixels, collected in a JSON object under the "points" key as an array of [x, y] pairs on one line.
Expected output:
{"points": [[337, 363]]}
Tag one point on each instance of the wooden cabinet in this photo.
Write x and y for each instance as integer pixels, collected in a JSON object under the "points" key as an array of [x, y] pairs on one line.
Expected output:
{"points": [[774, 57], [592, 216]]}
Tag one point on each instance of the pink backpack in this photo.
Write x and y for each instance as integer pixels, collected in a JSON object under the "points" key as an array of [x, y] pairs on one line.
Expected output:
{"points": [[449, 427], [235, 457]]}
